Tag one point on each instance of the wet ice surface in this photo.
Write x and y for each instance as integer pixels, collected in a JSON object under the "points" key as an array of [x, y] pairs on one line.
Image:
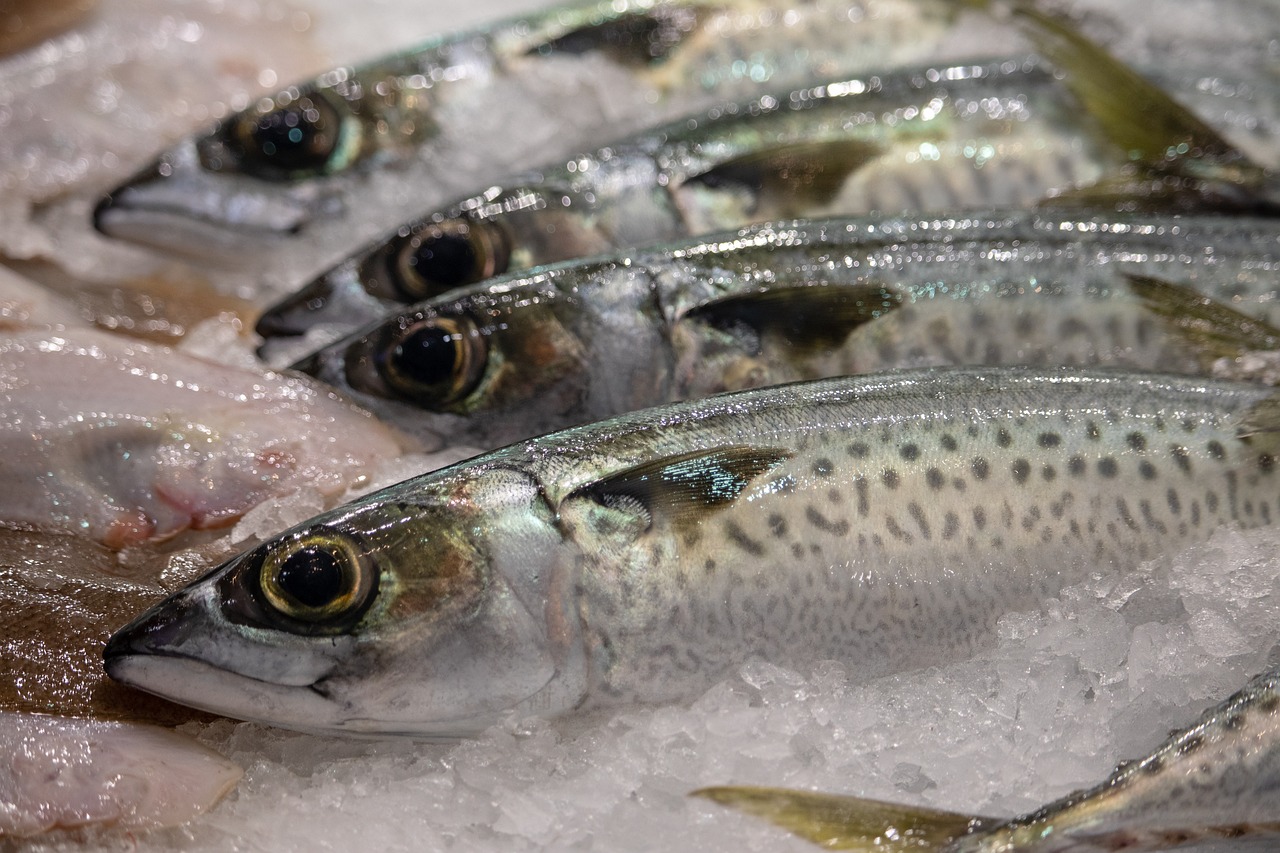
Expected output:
{"points": [[1096, 676]]}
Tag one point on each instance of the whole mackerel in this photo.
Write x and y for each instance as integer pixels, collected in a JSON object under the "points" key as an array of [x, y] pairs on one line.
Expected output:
{"points": [[886, 522], [325, 165], [582, 341]]}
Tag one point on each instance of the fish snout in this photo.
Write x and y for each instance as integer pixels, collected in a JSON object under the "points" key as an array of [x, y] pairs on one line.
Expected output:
{"points": [[118, 201], [162, 630]]}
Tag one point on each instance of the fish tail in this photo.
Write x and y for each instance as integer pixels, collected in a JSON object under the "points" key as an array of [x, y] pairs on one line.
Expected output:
{"points": [[851, 823]]}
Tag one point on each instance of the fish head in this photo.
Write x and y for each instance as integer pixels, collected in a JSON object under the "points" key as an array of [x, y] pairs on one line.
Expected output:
{"points": [[495, 365], [422, 260], [443, 252], [413, 611], [261, 176]]}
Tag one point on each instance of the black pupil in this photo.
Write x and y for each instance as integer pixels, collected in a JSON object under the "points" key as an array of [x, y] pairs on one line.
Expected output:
{"points": [[427, 355], [293, 137], [311, 576], [447, 260]]}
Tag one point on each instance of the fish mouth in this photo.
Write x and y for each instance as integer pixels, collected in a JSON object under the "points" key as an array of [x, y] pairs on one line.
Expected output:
{"points": [[175, 205]]}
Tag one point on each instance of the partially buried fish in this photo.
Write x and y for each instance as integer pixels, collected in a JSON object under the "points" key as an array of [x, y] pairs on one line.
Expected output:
{"points": [[332, 162], [886, 522], [1078, 126], [1216, 779], [587, 340], [126, 442]]}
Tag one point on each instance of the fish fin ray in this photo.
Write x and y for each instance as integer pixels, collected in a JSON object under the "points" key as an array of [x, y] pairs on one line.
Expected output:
{"points": [[1213, 330], [850, 823], [790, 180], [635, 39], [808, 317], [685, 486]]}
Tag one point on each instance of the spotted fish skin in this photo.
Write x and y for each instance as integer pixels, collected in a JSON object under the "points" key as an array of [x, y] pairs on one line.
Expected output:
{"points": [[886, 522], [792, 301], [375, 142]]}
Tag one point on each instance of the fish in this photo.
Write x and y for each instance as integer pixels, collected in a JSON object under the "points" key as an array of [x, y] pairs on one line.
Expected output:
{"points": [[585, 340], [1213, 780], [63, 773], [1067, 126], [129, 443], [334, 161], [886, 522]]}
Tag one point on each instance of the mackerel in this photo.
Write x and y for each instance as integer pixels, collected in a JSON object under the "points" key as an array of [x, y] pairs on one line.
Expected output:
{"points": [[586, 340], [329, 163], [886, 522]]}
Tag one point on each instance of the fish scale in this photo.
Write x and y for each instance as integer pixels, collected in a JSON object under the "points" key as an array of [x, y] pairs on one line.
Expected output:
{"points": [[885, 521]]}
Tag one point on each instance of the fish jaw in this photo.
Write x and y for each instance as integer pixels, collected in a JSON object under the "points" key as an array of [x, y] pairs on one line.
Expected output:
{"points": [[443, 643], [336, 298], [176, 203]]}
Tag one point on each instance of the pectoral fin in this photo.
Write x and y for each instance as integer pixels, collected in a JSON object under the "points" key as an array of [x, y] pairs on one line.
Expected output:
{"points": [[1212, 329], [850, 823], [807, 317], [1161, 137], [684, 487], [791, 180], [635, 39]]}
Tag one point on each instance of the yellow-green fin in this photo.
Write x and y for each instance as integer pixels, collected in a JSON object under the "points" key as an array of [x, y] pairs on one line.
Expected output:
{"points": [[850, 823], [809, 318], [792, 180], [685, 486], [1212, 329], [635, 39], [1162, 137]]}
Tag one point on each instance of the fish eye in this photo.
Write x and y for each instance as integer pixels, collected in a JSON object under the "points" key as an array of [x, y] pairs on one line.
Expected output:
{"points": [[322, 579], [444, 256], [435, 361], [301, 137]]}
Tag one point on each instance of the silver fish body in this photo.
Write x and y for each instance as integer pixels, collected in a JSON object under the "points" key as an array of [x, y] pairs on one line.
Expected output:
{"points": [[330, 163], [790, 301], [886, 522]]}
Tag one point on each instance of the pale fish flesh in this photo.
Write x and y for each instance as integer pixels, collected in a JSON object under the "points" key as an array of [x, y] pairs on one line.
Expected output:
{"points": [[127, 442], [886, 522], [581, 341], [995, 133], [63, 773], [332, 162]]}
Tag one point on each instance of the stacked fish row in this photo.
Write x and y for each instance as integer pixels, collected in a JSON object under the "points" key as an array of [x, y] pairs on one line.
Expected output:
{"points": [[1060, 210]]}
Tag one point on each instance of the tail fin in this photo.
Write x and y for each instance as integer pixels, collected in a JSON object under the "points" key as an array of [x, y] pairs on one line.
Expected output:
{"points": [[1178, 161], [850, 823]]}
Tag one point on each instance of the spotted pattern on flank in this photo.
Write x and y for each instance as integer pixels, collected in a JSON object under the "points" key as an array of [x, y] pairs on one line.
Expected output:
{"points": [[924, 507]]}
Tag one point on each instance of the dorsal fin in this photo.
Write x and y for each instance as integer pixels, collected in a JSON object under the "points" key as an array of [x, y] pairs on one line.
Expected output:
{"points": [[686, 486], [807, 317], [792, 180], [635, 39], [1212, 329], [1161, 137], [850, 823]]}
